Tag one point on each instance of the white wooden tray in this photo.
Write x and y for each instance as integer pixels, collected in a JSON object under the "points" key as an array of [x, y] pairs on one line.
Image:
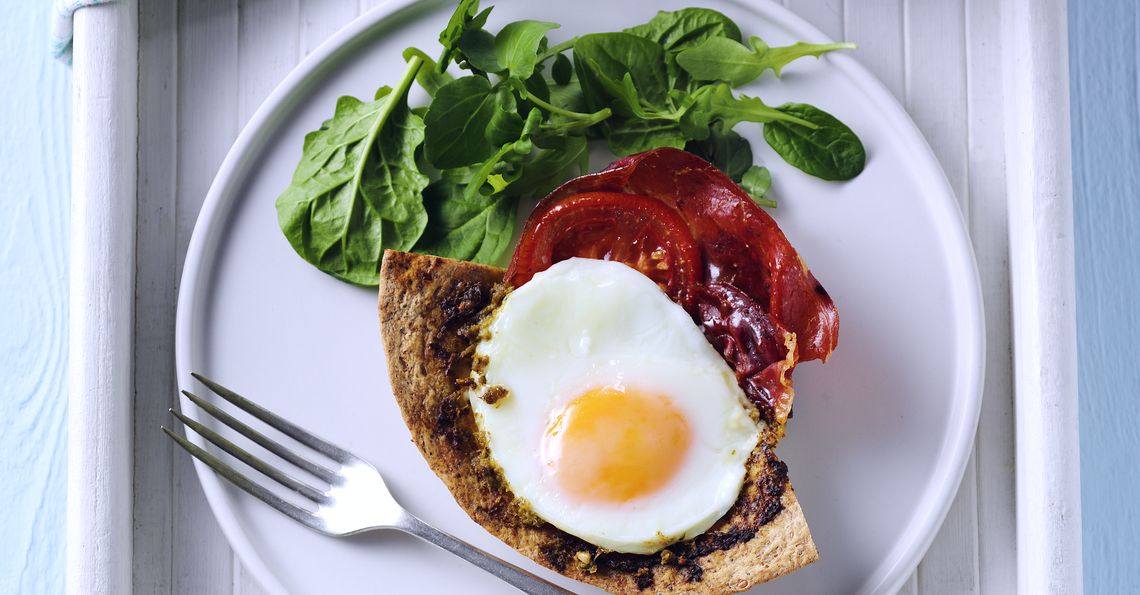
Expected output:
{"points": [[163, 88]]}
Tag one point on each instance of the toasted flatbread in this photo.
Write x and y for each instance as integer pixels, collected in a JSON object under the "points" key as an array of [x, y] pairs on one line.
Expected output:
{"points": [[426, 305]]}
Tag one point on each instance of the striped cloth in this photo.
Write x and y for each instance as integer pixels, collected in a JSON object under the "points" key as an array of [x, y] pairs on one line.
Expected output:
{"points": [[63, 12]]}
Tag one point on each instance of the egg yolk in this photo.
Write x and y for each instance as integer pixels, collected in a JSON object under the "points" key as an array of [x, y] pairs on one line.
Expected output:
{"points": [[615, 444]]}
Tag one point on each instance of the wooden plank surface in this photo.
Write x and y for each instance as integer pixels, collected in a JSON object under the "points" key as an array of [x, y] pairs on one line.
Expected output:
{"points": [[927, 53], [205, 67], [1104, 45], [155, 278], [101, 306], [206, 107], [988, 223], [180, 547], [1042, 272], [935, 97], [33, 299]]}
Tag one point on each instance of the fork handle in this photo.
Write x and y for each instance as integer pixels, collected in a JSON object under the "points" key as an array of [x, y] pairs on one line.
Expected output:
{"points": [[513, 575]]}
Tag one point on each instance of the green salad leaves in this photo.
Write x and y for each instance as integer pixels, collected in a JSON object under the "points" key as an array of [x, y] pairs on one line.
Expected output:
{"points": [[446, 178], [357, 189], [828, 150]]}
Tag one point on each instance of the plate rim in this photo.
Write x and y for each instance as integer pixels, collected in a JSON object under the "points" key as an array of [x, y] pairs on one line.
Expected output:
{"points": [[889, 576]]}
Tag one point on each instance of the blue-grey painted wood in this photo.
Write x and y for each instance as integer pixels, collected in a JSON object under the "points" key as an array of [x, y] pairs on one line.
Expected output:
{"points": [[33, 301], [1104, 60]]}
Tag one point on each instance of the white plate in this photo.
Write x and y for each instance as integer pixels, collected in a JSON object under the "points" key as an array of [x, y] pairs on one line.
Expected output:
{"points": [[881, 433]]}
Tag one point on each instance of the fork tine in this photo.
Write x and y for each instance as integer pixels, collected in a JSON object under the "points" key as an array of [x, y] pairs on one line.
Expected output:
{"points": [[281, 424], [258, 464], [267, 443], [253, 489]]}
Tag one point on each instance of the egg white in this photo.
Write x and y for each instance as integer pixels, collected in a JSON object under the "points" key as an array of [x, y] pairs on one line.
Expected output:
{"points": [[586, 323]]}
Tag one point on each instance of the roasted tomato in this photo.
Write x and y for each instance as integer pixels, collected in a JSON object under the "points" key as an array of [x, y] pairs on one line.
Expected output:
{"points": [[640, 231], [740, 244], [688, 226]]}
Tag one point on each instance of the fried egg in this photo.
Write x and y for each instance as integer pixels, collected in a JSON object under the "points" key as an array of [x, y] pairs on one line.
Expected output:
{"points": [[607, 411]]}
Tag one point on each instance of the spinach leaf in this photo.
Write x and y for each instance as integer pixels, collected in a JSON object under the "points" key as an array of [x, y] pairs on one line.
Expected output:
{"points": [[356, 190], [506, 124], [562, 71], [568, 97], [681, 29], [457, 123], [779, 57], [471, 217], [566, 112], [562, 158], [462, 20], [723, 59], [727, 150], [392, 183], [472, 210], [628, 72], [678, 30], [503, 167], [517, 46], [531, 125], [427, 76], [718, 102], [478, 48], [602, 60], [626, 101], [831, 151], [467, 225], [756, 182], [627, 137], [535, 86]]}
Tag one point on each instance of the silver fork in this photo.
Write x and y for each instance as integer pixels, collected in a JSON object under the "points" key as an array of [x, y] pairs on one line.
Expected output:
{"points": [[356, 499]]}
